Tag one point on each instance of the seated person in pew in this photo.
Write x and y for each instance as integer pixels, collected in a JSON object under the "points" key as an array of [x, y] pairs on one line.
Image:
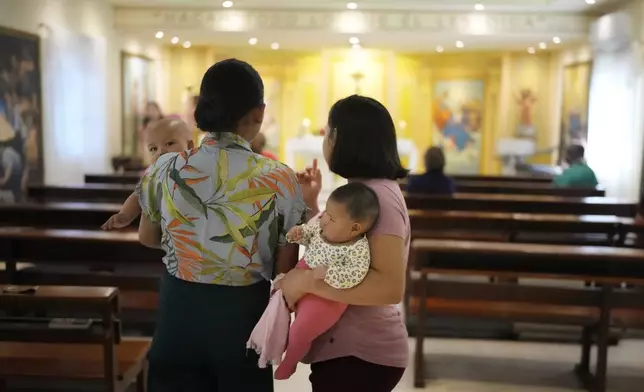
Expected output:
{"points": [[338, 252], [434, 181], [578, 174], [163, 136]]}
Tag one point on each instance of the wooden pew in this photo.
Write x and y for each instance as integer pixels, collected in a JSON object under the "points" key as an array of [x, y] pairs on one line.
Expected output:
{"points": [[57, 215], [78, 257], [502, 178], [31, 348], [133, 178], [523, 204], [522, 188], [516, 227], [594, 308], [107, 193], [124, 179], [459, 202]]}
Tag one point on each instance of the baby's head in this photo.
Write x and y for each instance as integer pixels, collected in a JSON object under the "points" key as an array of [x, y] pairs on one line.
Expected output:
{"points": [[351, 211], [167, 135]]}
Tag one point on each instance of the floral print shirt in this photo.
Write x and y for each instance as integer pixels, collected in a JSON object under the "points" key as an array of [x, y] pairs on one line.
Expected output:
{"points": [[223, 210]]}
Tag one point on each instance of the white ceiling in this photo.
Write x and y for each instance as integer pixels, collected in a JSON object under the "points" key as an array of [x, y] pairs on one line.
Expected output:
{"points": [[407, 42], [424, 5], [313, 41]]}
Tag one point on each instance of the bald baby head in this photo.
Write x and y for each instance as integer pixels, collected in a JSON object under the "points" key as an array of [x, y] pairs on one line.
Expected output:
{"points": [[167, 135]]}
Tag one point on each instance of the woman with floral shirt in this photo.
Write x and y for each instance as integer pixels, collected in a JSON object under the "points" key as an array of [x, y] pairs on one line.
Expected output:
{"points": [[221, 213]]}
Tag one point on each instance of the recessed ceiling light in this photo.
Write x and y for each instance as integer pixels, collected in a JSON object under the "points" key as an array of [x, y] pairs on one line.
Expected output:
{"points": [[174, 40], [227, 4], [531, 50], [187, 44], [460, 44], [356, 46], [590, 1], [556, 40], [275, 46], [352, 6], [354, 40], [542, 45], [439, 49], [252, 41], [159, 34], [479, 7]]}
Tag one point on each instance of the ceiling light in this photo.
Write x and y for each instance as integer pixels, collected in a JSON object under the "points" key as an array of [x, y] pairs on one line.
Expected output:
{"points": [[542, 45], [460, 44], [439, 49], [352, 6], [174, 40], [556, 40], [187, 44], [227, 4], [479, 7], [159, 34], [590, 1], [252, 41], [356, 46], [354, 40], [275, 46], [531, 50]]}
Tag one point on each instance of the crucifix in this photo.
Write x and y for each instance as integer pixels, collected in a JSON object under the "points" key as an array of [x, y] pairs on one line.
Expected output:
{"points": [[357, 77]]}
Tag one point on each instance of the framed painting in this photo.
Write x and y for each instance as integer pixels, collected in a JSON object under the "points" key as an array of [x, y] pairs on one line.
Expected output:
{"points": [[574, 106], [458, 119], [21, 134], [137, 91]]}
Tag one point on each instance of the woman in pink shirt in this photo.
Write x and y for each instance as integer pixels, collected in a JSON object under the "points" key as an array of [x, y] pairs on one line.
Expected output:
{"points": [[367, 349]]}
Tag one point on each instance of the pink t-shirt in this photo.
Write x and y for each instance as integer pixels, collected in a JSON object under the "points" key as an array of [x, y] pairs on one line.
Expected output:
{"points": [[375, 334]]}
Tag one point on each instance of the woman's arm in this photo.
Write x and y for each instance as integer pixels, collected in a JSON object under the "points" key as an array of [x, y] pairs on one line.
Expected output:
{"points": [[385, 282], [149, 233], [383, 285]]}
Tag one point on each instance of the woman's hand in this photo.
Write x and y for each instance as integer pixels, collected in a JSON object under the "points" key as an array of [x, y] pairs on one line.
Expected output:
{"points": [[310, 181], [294, 285]]}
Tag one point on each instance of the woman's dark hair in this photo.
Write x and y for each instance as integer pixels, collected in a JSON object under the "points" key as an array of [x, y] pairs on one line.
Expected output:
{"points": [[434, 159], [229, 90], [364, 140]]}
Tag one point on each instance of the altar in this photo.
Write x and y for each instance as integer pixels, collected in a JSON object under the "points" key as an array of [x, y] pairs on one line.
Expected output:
{"points": [[301, 151]]}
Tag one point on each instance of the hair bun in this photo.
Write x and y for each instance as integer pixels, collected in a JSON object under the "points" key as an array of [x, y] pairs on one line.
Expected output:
{"points": [[211, 115]]}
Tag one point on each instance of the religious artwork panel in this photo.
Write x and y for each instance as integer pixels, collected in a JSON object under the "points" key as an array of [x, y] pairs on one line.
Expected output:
{"points": [[457, 114], [21, 157], [574, 111], [137, 87], [525, 100]]}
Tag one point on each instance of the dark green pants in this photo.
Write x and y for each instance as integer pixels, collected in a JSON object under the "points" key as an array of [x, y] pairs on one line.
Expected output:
{"points": [[200, 341]]}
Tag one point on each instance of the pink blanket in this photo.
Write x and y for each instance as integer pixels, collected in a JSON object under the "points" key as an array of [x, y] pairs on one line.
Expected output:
{"points": [[270, 334]]}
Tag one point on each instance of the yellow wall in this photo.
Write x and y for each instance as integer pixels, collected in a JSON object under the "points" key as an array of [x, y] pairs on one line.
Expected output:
{"points": [[305, 85]]}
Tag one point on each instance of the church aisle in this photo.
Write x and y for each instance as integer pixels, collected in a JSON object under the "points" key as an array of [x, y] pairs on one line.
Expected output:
{"points": [[493, 366]]}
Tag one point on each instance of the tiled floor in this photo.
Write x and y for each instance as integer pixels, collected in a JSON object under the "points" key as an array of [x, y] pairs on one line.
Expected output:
{"points": [[489, 366]]}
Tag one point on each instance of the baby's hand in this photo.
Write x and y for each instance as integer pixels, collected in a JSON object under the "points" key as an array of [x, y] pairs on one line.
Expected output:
{"points": [[295, 234], [117, 221], [320, 272]]}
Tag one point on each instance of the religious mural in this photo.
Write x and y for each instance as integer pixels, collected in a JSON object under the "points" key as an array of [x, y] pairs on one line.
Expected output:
{"points": [[458, 119], [526, 100], [137, 87], [21, 158]]}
